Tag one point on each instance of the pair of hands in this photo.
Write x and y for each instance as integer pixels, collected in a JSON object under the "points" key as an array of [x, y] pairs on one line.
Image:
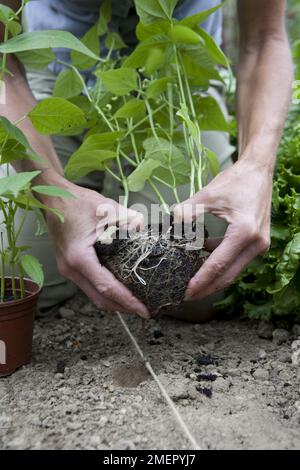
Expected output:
{"points": [[241, 195]]}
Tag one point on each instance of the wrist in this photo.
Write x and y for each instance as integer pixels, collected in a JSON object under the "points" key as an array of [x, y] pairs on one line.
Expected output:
{"points": [[51, 177], [260, 155]]}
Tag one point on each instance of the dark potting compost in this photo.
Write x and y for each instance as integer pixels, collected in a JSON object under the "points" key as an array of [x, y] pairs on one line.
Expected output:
{"points": [[155, 267]]}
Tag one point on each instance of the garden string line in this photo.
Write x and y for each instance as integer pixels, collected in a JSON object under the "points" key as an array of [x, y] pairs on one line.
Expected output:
{"points": [[180, 420]]}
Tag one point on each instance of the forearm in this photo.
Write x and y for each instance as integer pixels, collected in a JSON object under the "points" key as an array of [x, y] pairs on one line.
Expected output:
{"points": [[264, 88], [19, 101]]}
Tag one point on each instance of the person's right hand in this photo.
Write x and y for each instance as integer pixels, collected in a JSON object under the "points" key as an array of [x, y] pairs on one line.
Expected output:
{"points": [[74, 245]]}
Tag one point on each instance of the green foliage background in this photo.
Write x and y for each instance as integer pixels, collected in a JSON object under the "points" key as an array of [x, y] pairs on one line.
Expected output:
{"points": [[270, 285]]}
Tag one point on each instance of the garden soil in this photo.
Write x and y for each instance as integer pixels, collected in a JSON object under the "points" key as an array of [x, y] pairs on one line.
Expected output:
{"points": [[235, 382]]}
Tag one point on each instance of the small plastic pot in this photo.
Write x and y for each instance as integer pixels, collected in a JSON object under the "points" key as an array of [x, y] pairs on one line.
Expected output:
{"points": [[16, 327]]}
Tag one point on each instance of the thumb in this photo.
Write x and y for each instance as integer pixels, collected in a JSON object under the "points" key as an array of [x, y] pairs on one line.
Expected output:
{"points": [[193, 207]]}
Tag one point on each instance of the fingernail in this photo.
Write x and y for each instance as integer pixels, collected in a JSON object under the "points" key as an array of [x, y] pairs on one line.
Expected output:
{"points": [[143, 312]]}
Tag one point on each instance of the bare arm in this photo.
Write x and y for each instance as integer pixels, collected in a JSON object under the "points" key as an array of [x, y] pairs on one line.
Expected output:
{"points": [[264, 77], [19, 100], [241, 195], [74, 240]]}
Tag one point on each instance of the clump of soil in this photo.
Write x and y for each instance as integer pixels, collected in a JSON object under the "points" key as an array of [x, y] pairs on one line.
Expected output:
{"points": [[155, 266]]}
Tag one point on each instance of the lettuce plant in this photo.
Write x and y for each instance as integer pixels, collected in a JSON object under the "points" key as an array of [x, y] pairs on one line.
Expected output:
{"points": [[269, 286]]}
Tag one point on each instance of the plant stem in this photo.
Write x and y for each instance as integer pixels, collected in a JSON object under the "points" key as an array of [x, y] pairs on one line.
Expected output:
{"points": [[189, 143], [132, 162], [22, 221], [13, 282], [199, 143], [97, 108], [144, 119], [112, 173], [21, 277], [159, 195], [3, 65], [171, 118]]}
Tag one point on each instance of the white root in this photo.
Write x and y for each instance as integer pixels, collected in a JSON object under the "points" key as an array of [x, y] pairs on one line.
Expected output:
{"points": [[145, 243]]}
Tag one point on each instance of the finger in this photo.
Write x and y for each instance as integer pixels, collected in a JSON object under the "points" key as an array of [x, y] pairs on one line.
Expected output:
{"points": [[107, 285], [211, 243], [218, 262], [231, 273], [191, 208], [100, 301]]}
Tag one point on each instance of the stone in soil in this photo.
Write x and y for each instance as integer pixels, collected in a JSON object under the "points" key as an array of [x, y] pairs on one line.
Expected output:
{"points": [[265, 329], [261, 374], [280, 336]]}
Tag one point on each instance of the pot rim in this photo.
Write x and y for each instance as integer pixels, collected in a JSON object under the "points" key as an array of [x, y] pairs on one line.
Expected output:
{"points": [[30, 295]]}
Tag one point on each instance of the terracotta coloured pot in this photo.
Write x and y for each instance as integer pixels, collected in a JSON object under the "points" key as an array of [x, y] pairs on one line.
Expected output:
{"points": [[16, 327]]}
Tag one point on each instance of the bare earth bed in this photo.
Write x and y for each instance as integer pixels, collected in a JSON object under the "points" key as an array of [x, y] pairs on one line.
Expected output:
{"points": [[233, 381]]}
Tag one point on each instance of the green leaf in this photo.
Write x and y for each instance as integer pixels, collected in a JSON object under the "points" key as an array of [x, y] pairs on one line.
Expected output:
{"points": [[104, 17], [157, 87], [103, 141], [213, 161], [45, 40], [114, 41], [14, 144], [192, 128], [6, 14], [135, 108], [156, 60], [52, 190], [119, 81], [14, 28], [198, 18], [146, 31], [287, 300], [173, 179], [200, 75], [56, 115], [33, 268], [213, 49], [10, 131], [139, 56], [37, 59], [91, 41], [262, 312], [82, 163], [174, 169], [67, 84], [151, 10], [288, 265], [199, 55], [96, 150], [279, 232], [12, 151], [184, 35], [209, 114], [13, 185], [26, 200], [137, 179]]}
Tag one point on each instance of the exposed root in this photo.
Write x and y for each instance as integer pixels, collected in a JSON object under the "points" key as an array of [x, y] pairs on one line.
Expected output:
{"points": [[154, 266]]}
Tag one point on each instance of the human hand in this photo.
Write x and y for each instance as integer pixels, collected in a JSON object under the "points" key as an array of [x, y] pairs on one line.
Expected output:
{"points": [[74, 244], [241, 195]]}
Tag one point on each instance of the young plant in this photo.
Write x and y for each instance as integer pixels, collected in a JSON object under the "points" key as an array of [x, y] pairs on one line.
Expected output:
{"points": [[17, 191], [141, 120]]}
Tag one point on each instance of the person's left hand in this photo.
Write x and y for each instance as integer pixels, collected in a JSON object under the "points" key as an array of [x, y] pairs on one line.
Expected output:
{"points": [[241, 195]]}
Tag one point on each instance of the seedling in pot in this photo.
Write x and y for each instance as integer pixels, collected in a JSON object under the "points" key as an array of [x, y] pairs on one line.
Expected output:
{"points": [[18, 196]]}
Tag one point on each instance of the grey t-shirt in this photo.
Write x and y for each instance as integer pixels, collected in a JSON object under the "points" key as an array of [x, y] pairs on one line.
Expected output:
{"points": [[77, 16]]}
